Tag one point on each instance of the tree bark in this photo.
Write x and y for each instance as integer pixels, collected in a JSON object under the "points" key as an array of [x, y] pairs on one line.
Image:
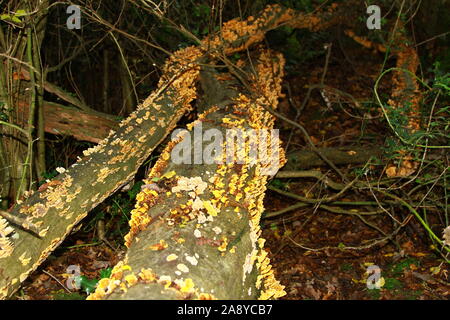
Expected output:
{"points": [[195, 229], [60, 204], [70, 121], [304, 159]]}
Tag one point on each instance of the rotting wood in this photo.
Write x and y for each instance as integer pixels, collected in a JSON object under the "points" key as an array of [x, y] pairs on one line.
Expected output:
{"points": [[70, 195], [70, 121], [193, 220], [58, 206], [304, 159], [405, 96]]}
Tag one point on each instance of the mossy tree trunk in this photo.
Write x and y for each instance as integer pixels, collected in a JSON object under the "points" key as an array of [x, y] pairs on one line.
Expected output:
{"points": [[21, 38], [60, 204], [195, 229]]}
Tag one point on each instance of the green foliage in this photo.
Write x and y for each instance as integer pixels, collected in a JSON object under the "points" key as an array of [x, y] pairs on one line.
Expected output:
{"points": [[15, 17], [297, 46], [430, 184], [105, 273], [442, 63], [3, 112], [346, 267], [368, 167], [435, 114], [278, 183], [62, 295], [86, 285], [50, 174], [374, 294], [196, 18], [134, 190], [441, 78], [392, 284], [273, 227], [403, 265], [235, 57], [393, 280], [201, 14], [89, 285]]}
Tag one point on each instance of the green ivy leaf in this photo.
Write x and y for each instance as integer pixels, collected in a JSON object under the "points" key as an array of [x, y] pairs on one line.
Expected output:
{"points": [[341, 246], [105, 273], [86, 284], [12, 18], [20, 13]]}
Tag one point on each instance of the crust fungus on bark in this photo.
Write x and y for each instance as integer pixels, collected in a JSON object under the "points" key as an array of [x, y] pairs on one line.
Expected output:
{"points": [[195, 229], [405, 95], [59, 205]]}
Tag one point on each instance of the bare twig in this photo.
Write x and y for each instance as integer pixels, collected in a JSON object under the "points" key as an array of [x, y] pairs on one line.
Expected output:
{"points": [[56, 279]]}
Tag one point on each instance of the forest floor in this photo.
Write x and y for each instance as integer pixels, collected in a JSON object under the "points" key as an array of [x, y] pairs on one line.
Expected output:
{"points": [[309, 261], [318, 254], [411, 271], [315, 254]]}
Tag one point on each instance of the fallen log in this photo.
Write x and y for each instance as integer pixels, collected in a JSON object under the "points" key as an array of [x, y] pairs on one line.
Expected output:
{"points": [[195, 229], [305, 159], [70, 121], [60, 204]]}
